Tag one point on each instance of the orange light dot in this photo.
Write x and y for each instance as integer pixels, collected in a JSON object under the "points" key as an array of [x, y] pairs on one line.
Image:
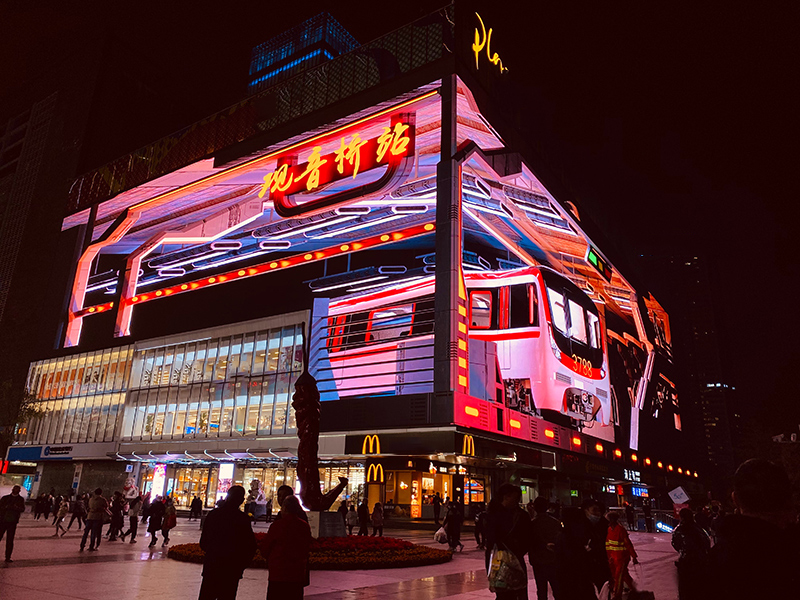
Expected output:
{"points": [[344, 247], [286, 263], [159, 293], [598, 447], [634, 458], [319, 254], [647, 461], [472, 411], [429, 227], [212, 279], [194, 285], [168, 292], [385, 238], [100, 308], [397, 236], [91, 309], [695, 473], [222, 278], [242, 272], [660, 465], [688, 472], [549, 433], [144, 297], [669, 468], [618, 453], [252, 271], [514, 423], [680, 470], [135, 299], [184, 287], [576, 441], [273, 265], [308, 256]]}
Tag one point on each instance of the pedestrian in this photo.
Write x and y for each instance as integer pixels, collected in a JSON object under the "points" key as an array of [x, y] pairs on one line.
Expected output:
{"points": [[544, 532], [630, 516], [37, 508], [11, 507], [573, 562], [481, 522], [63, 511], [229, 546], [56, 506], [195, 508], [47, 505], [286, 551], [453, 520], [268, 510], [134, 508], [170, 519], [146, 507], [508, 528], [599, 571], [283, 493], [648, 516], [620, 551], [437, 507], [363, 518], [78, 509], [117, 516], [377, 520], [98, 509], [757, 550], [342, 510], [155, 519], [351, 520], [692, 542]]}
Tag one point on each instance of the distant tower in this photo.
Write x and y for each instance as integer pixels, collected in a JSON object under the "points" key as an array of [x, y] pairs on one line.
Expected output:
{"points": [[311, 43]]}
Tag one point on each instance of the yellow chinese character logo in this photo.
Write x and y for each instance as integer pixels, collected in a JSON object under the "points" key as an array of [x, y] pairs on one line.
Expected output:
{"points": [[350, 153], [277, 181], [395, 141], [315, 161]]}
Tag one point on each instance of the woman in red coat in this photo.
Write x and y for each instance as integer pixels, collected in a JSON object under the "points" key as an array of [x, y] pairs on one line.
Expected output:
{"points": [[286, 549], [620, 551]]}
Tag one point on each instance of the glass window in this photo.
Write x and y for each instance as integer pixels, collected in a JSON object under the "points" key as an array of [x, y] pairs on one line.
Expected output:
{"points": [[298, 349], [558, 310], [58, 383], [130, 414], [577, 322], [260, 357], [77, 423], [273, 350], [188, 365], [235, 356], [246, 362], [177, 365], [199, 361], [149, 412], [102, 370], [215, 395], [594, 329], [70, 417], [204, 410], [158, 378], [138, 369], [183, 408], [390, 323], [281, 402], [226, 420], [222, 360], [158, 429], [94, 418], [171, 412], [523, 306], [147, 369], [113, 413], [240, 409], [480, 310], [211, 357], [253, 406], [267, 405]]}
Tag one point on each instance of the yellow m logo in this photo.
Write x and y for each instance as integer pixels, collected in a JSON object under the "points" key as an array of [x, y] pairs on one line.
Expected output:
{"points": [[371, 442], [375, 473], [469, 446]]}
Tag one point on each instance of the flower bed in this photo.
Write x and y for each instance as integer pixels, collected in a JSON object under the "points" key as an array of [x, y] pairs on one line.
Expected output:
{"points": [[342, 553]]}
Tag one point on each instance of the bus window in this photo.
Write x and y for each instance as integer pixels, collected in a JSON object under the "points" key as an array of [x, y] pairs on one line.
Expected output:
{"points": [[480, 313], [577, 322], [558, 310], [390, 323], [524, 309], [594, 330]]}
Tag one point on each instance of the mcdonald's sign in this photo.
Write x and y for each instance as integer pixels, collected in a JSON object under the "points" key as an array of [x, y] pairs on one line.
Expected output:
{"points": [[468, 447], [373, 443], [375, 473]]}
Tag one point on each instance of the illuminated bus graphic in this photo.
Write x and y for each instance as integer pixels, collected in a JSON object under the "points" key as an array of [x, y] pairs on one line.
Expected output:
{"points": [[548, 336]]}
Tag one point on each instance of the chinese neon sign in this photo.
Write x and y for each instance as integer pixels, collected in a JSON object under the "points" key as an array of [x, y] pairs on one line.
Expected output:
{"points": [[351, 155], [484, 40]]}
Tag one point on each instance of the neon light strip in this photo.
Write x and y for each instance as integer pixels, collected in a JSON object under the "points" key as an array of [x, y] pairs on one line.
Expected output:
{"points": [[266, 267]]}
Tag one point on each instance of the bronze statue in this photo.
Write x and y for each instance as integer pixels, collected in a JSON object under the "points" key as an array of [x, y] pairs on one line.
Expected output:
{"points": [[305, 401]]}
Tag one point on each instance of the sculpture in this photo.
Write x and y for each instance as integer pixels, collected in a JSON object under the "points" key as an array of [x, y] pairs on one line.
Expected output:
{"points": [[305, 401], [129, 490]]}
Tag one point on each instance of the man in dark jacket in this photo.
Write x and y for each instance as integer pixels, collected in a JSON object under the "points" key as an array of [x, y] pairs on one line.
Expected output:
{"points": [[692, 542], [509, 527], [544, 531], [597, 524], [363, 518], [11, 507], [756, 554], [229, 546]]}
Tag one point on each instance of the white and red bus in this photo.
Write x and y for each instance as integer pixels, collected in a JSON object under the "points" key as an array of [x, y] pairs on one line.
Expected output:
{"points": [[548, 334]]}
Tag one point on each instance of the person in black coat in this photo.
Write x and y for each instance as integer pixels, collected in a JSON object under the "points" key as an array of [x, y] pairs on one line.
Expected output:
{"points": [[229, 545], [509, 527], [693, 543], [157, 510], [599, 570], [573, 561], [363, 518]]}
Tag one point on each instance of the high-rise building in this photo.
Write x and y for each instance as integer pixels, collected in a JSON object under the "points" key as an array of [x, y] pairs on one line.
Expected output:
{"points": [[309, 44]]}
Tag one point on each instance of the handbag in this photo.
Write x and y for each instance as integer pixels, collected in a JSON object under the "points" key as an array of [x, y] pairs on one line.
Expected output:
{"points": [[505, 571], [170, 522], [440, 536], [106, 517]]}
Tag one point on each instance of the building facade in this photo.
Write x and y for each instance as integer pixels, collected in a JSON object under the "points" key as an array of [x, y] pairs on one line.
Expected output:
{"points": [[388, 231]]}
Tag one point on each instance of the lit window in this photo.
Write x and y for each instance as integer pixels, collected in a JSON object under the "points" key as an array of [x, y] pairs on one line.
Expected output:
{"points": [[481, 310], [558, 311], [577, 322], [391, 323]]}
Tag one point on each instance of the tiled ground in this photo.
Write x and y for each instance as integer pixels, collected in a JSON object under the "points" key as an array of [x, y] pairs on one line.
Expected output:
{"points": [[47, 568]]}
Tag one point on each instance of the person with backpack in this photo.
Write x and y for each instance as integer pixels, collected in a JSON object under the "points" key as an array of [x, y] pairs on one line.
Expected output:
{"points": [[692, 542]]}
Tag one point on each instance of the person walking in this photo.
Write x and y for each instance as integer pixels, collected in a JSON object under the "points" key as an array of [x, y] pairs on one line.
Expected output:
{"points": [[573, 562], [351, 520], [11, 507], [229, 546], [544, 532], [117, 516], [170, 519], [453, 521], [363, 518], [630, 516], [648, 516], [437, 507], [620, 551], [47, 505], [286, 549], [268, 511], [481, 522], [62, 513], [342, 510], [98, 508], [693, 544], [146, 507], [599, 570], [155, 520], [509, 529], [78, 509], [37, 508], [377, 520], [195, 508], [56, 506], [134, 509]]}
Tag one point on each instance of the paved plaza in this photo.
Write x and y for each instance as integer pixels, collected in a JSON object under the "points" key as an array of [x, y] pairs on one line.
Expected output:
{"points": [[48, 568]]}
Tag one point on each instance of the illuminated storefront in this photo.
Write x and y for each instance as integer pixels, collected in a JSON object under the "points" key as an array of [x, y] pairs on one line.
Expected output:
{"points": [[462, 321]]}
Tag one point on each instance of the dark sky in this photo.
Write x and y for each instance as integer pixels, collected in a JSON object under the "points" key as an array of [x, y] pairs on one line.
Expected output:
{"points": [[675, 123]]}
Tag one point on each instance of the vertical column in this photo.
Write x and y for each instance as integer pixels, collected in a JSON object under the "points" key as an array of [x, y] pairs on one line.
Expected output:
{"points": [[450, 346]]}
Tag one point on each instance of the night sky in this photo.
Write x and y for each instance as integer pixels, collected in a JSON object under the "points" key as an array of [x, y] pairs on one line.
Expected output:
{"points": [[675, 124]]}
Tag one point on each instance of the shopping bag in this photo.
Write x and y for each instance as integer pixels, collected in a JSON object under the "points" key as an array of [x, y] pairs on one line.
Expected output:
{"points": [[605, 591], [440, 536], [505, 571]]}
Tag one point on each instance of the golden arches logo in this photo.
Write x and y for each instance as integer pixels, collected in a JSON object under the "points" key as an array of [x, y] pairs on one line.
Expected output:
{"points": [[375, 473], [371, 442], [468, 447]]}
